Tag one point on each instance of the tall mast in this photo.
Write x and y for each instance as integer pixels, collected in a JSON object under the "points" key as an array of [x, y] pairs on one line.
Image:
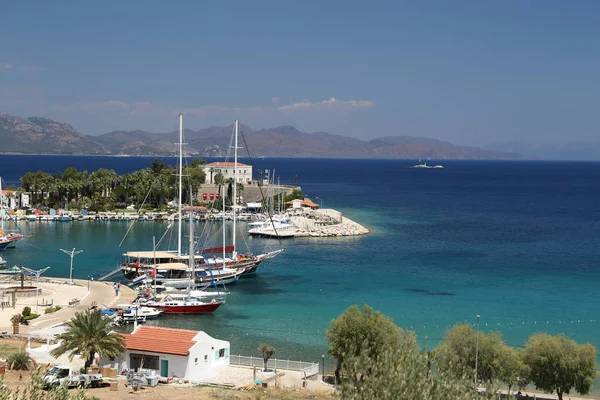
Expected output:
{"points": [[235, 180], [180, 182], [192, 281], [1, 207], [223, 221]]}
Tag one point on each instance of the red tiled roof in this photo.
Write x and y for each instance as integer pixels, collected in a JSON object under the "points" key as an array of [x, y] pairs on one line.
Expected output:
{"points": [[305, 202], [160, 340], [226, 164]]}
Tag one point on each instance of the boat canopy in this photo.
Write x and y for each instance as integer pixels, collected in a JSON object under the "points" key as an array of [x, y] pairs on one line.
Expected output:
{"points": [[179, 266], [149, 254]]}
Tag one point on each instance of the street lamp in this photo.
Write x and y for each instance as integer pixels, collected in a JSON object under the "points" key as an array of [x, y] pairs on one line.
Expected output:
{"points": [[37, 274], [321, 201], [323, 363], [477, 350], [71, 253]]}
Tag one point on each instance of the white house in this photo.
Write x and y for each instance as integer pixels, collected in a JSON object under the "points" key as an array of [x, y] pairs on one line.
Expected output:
{"points": [[181, 353], [10, 199], [227, 169]]}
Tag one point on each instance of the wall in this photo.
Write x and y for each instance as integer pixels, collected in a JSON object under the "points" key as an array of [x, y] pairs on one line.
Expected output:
{"points": [[206, 350], [177, 364]]}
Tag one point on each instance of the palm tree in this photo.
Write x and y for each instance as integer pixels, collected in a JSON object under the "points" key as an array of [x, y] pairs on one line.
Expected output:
{"points": [[20, 361], [88, 333], [267, 352]]}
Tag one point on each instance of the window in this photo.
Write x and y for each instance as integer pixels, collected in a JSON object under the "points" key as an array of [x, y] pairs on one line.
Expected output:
{"points": [[196, 361], [143, 361], [221, 353], [206, 358]]}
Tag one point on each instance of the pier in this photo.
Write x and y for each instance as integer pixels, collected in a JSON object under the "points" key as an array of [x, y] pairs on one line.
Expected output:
{"points": [[326, 222]]}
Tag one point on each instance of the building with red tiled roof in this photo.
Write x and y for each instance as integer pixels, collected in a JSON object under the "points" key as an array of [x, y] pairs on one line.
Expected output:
{"points": [[181, 353], [299, 203], [227, 170]]}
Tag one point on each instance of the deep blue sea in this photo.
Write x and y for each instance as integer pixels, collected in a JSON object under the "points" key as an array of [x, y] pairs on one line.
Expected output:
{"points": [[515, 242]]}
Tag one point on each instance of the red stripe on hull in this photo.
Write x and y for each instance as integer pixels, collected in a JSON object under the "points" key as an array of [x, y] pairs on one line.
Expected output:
{"points": [[190, 309]]}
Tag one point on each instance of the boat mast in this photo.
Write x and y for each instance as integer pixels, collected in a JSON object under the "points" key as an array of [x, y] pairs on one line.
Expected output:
{"points": [[192, 280], [235, 180], [180, 182], [1, 207], [223, 221]]}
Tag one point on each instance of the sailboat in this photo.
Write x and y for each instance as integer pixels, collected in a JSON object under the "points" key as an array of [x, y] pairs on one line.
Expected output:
{"points": [[171, 266], [247, 262], [188, 304], [6, 239]]}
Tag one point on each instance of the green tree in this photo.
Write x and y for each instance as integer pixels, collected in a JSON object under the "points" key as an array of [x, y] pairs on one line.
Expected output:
{"points": [[400, 372], [456, 353], [267, 352], [361, 332], [512, 370], [560, 364], [88, 333], [198, 162], [296, 194], [219, 179]]}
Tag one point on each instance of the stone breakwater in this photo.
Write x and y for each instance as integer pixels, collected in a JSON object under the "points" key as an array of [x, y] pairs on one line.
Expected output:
{"points": [[327, 222]]}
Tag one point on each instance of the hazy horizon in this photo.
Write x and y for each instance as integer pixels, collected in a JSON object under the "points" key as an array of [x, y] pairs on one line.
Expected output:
{"points": [[468, 73]]}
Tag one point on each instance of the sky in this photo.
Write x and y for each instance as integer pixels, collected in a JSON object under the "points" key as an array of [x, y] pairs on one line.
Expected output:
{"points": [[467, 72]]}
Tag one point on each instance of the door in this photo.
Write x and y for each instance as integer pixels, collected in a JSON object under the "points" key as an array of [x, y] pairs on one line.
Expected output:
{"points": [[164, 368]]}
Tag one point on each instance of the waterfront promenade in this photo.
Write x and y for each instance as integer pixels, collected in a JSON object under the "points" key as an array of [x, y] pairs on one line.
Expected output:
{"points": [[72, 298]]}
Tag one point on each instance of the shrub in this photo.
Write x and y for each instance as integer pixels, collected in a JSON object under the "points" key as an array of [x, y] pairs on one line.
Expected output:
{"points": [[26, 311], [50, 310], [31, 316], [20, 361]]}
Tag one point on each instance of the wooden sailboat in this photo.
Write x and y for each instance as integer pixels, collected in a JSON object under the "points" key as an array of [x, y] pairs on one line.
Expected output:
{"points": [[189, 304]]}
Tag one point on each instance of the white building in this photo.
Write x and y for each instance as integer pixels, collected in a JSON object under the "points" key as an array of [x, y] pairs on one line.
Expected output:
{"points": [[181, 353], [227, 169], [11, 199]]}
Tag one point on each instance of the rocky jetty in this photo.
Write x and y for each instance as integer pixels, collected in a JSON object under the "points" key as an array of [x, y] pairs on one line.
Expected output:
{"points": [[327, 223]]}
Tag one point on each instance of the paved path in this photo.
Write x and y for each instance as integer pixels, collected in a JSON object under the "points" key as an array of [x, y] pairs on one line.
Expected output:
{"points": [[100, 294]]}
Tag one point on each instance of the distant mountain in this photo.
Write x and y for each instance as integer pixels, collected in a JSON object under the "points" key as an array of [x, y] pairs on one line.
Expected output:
{"points": [[568, 151], [42, 135]]}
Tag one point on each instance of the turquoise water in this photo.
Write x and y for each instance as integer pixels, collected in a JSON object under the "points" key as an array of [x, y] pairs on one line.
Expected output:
{"points": [[515, 242]]}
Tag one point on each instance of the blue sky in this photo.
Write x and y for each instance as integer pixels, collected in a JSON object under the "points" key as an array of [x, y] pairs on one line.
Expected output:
{"points": [[469, 72]]}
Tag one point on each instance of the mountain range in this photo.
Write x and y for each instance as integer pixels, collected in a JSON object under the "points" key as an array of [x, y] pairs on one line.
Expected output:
{"points": [[44, 136]]}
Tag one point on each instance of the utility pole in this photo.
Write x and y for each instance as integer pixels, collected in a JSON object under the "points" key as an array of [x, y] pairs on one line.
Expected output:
{"points": [[477, 351]]}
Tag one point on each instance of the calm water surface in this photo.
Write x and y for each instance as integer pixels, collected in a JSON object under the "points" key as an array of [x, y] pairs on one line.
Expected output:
{"points": [[515, 242]]}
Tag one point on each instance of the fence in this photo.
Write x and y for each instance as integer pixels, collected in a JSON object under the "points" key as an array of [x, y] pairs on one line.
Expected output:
{"points": [[309, 368]]}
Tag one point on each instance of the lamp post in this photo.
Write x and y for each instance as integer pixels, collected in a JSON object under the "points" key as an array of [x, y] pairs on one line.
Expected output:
{"points": [[477, 350], [323, 363], [321, 201], [37, 274], [72, 254]]}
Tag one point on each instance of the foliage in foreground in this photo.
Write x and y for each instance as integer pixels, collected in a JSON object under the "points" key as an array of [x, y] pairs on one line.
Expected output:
{"points": [[560, 364], [361, 331], [496, 361], [34, 390], [401, 373], [378, 360], [88, 333]]}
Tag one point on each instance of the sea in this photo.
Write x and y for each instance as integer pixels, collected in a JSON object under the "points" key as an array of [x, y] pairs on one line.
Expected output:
{"points": [[515, 242]]}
